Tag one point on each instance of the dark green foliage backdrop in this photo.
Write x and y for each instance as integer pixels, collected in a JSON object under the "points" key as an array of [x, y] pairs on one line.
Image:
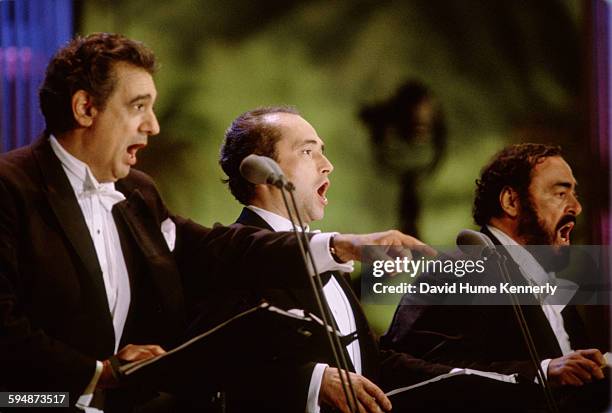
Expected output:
{"points": [[503, 70]]}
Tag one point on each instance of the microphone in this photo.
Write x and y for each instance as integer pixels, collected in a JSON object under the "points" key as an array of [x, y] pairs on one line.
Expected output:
{"points": [[475, 243], [261, 170]]}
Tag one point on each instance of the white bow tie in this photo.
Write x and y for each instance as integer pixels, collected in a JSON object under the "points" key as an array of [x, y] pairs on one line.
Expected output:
{"points": [[107, 195]]}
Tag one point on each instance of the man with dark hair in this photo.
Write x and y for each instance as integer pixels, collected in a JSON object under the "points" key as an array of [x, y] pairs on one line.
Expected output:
{"points": [[525, 196], [249, 133], [92, 264], [87, 64], [512, 169], [307, 380]]}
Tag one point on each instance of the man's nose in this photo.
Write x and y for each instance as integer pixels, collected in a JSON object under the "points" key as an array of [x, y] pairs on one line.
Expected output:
{"points": [[574, 206], [326, 166], [151, 125]]}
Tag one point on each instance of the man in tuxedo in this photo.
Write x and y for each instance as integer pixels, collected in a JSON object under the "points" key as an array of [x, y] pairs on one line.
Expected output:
{"points": [[92, 264], [525, 196], [309, 380]]}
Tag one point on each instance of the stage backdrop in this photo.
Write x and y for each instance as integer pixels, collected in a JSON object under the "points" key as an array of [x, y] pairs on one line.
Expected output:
{"points": [[30, 32]]}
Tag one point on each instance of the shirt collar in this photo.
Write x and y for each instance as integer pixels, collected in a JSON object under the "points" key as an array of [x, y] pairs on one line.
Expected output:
{"points": [[277, 222], [79, 174], [533, 272], [530, 267]]}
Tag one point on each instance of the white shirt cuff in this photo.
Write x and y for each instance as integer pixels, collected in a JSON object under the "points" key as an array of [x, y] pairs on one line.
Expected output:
{"points": [[544, 364], [312, 404], [319, 245], [85, 398]]}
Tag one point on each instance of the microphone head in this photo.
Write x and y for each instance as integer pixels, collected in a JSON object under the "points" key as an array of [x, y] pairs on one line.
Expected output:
{"points": [[259, 169], [274, 166], [474, 243]]}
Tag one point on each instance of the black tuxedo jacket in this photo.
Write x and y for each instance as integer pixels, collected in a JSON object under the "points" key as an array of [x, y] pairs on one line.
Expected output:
{"points": [[479, 336], [304, 298], [282, 384], [54, 317]]}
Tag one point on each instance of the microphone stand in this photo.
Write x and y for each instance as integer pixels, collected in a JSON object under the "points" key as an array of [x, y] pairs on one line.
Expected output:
{"points": [[526, 332], [317, 288]]}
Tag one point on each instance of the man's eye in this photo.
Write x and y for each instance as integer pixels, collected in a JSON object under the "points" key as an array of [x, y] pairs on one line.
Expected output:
{"points": [[307, 151], [139, 106], [562, 194]]}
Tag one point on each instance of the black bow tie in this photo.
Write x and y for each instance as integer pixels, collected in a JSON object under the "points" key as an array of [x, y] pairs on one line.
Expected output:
{"points": [[349, 338], [325, 277]]}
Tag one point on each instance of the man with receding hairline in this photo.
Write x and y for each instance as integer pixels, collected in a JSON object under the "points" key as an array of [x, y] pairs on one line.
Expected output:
{"points": [[309, 380], [93, 267]]}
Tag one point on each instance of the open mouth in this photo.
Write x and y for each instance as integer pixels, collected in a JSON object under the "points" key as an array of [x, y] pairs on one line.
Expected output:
{"points": [[563, 233], [131, 150], [322, 190]]}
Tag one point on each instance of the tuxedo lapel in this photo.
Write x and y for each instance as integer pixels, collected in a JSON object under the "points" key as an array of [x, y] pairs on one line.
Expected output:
{"points": [[368, 346], [575, 327], [302, 298], [146, 233], [286, 299], [539, 326], [64, 204], [514, 271], [305, 298], [248, 217]]}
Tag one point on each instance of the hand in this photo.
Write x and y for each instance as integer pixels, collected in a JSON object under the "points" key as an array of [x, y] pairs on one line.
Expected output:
{"points": [[131, 352], [576, 368], [348, 246], [370, 397]]}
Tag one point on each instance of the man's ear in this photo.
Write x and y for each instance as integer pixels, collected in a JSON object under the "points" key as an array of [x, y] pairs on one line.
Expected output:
{"points": [[83, 109], [509, 201]]}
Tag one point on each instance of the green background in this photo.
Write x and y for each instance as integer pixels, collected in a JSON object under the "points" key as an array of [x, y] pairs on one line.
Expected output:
{"points": [[503, 71]]}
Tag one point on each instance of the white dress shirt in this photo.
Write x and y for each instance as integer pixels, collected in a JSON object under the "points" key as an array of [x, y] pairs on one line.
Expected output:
{"points": [[96, 201], [534, 273], [334, 294]]}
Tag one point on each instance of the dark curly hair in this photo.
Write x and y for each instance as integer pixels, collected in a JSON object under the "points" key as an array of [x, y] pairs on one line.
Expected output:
{"points": [[248, 134], [510, 167], [87, 63]]}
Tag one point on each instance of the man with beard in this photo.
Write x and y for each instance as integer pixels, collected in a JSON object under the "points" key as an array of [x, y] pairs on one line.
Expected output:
{"points": [[525, 196]]}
